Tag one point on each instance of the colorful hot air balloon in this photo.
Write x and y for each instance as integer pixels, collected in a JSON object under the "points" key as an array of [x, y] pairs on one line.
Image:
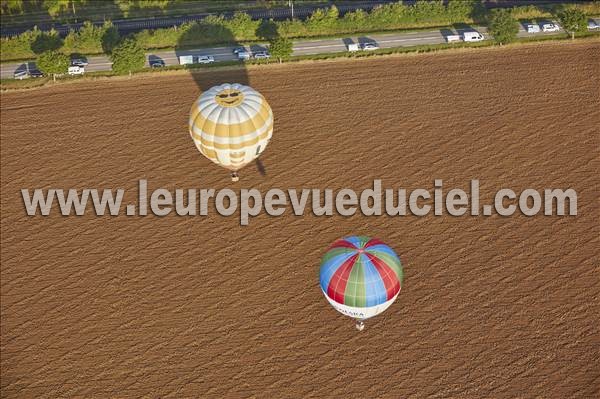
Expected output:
{"points": [[231, 125], [360, 277]]}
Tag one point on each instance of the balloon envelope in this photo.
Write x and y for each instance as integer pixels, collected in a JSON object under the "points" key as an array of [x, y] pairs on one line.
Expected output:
{"points": [[360, 276], [231, 124]]}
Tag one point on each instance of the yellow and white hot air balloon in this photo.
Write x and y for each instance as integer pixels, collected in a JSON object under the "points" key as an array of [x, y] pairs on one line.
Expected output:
{"points": [[231, 125]]}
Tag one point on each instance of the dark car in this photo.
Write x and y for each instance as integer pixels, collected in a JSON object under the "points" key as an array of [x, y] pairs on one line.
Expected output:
{"points": [[157, 64], [36, 73], [80, 62]]}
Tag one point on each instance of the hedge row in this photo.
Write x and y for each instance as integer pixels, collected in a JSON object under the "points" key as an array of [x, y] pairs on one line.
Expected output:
{"points": [[241, 28], [90, 39]]}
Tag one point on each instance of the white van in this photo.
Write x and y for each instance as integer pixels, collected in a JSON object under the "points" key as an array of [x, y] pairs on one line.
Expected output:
{"points": [[76, 70], [473, 37], [186, 59], [453, 38], [353, 47], [20, 75], [533, 28]]}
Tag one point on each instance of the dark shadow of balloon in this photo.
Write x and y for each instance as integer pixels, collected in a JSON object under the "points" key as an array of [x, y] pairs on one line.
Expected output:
{"points": [[260, 167], [204, 75]]}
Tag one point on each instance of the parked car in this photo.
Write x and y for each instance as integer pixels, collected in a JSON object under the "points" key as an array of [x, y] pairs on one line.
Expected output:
{"points": [[157, 63], [353, 47], [76, 70], [36, 73], [593, 25], [549, 27], [533, 28], [205, 59], [20, 75], [243, 55], [473, 37], [262, 54], [80, 62], [370, 46]]}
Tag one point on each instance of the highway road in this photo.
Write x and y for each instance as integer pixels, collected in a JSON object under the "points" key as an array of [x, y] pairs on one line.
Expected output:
{"points": [[301, 47]]}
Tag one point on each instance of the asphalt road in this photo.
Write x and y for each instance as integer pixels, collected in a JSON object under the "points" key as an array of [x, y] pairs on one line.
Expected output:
{"points": [[302, 47]]}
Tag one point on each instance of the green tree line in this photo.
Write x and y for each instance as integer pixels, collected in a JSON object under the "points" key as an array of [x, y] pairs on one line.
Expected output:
{"points": [[90, 39], [56, 7], [212, 30]]}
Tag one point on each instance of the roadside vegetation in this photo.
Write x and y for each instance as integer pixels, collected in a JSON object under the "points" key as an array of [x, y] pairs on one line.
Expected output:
{"points": [[503, 26], [16, 12], [573, 21], [281, 48], [53, 62], [97, 39], [128, 57]]}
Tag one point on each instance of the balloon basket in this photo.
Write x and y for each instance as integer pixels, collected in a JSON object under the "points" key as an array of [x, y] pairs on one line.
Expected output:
{"points": [[235, 177], [360, 325]]}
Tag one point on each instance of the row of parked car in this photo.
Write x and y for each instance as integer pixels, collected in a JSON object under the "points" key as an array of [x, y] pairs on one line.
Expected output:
{"points": [[367, 46], [77, 66], [243, 54], [470, 37], [475, 36], [30, 70], [192, 59], [552, 27], [547, 27], [27, 73]]}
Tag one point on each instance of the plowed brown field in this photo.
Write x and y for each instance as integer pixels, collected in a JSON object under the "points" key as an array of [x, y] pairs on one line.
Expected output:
{"points": [[492, 307]]}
